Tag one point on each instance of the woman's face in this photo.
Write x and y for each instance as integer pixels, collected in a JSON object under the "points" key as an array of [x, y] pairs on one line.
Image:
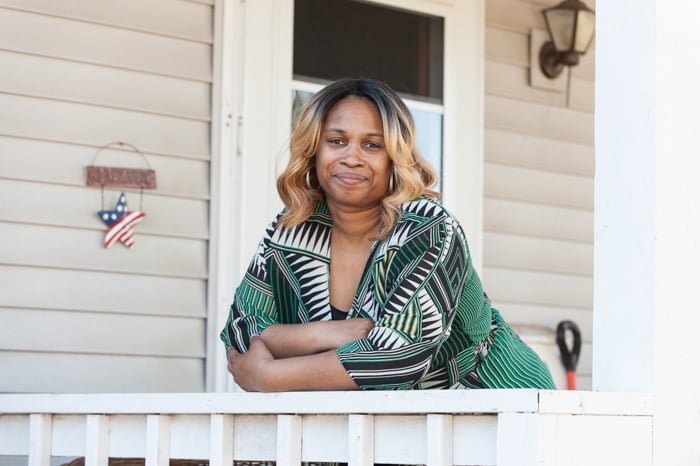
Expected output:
{"points": [[352, 165]]}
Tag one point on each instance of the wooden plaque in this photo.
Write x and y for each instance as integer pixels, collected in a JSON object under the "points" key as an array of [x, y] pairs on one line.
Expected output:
{"points": [[122, 177]]}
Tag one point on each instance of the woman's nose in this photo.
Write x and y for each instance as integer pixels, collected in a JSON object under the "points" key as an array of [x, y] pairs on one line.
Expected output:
{"points": [[353, 155]]}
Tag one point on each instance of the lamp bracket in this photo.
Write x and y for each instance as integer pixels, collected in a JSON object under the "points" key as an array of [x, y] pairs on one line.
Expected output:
{"points": [[538, 79], [550, 61]]}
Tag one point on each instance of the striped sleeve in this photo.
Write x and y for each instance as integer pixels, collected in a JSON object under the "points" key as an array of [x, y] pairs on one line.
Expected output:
{"points": [[418, 283], [254, 307]]}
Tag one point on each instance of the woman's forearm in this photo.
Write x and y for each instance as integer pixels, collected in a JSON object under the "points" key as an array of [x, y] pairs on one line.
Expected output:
{"points": [[258, 371], [290, 340], [322, 371]]}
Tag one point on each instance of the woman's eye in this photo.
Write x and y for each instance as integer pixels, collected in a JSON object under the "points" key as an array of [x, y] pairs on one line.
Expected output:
{"points": [[373, 145], [335, 141]]}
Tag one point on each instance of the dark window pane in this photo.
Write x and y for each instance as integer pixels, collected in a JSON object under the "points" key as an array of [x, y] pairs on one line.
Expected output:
{"points": [[336, 39]]}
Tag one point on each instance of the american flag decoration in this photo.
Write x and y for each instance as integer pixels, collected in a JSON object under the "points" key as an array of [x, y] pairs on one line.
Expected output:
{"points": [[120, 221]]}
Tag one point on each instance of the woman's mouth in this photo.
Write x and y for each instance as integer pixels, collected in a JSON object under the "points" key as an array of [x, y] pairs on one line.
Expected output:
{"points": [[350, 178]]}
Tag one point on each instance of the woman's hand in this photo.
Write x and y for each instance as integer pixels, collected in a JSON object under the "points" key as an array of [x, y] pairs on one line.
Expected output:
{"points": [[340, 332], [248, 369]]}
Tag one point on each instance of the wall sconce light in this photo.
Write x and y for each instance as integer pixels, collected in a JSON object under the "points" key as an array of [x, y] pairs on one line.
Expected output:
{"points": [[570, 25]]}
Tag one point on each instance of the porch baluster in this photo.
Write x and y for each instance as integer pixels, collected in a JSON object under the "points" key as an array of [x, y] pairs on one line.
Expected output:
{"points": [[221, 440], [288, 440], [360, 440], [97, 440], [39, 439], [157, 440], [439, 442]]}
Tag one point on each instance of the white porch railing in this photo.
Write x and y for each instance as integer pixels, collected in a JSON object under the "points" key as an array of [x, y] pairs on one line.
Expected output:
{"points": [[465, 427]]}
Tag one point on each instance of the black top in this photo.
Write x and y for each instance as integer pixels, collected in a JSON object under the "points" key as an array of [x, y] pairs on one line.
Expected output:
{"points": [[337, 314]]}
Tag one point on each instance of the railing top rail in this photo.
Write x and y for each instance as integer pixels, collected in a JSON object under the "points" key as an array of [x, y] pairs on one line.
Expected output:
{"points": [[380, 402]]}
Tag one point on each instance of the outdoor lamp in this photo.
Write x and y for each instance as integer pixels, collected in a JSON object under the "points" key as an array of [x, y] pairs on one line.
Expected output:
{"points": [[570, 26]]}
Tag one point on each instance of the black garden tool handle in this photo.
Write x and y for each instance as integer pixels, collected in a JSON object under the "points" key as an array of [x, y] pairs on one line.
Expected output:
{"points": [[569, 356]]}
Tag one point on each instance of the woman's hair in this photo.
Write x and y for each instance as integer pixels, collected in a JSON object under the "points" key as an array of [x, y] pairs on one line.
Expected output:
{"points": [[411, 174]]}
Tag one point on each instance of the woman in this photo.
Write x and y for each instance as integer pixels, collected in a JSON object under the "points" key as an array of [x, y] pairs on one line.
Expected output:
{"points": [[365, 280]]}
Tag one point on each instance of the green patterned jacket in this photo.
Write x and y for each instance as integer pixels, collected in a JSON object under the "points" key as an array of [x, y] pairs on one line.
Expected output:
{"points": [[435, 327]]}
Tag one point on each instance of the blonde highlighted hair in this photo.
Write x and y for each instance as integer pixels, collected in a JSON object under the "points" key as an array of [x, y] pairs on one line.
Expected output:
{"points": [[411, 174]]}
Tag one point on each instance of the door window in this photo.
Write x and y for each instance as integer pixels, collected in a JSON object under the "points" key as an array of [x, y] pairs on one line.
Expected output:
{"points": [[336, 39]]}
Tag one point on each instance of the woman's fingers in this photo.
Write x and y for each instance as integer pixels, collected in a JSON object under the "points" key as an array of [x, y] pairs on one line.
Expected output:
{"points": [[248, 367], [235, 367]]}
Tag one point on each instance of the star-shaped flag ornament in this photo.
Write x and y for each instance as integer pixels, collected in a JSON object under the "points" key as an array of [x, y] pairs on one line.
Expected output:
{"points": [[120, 220]]}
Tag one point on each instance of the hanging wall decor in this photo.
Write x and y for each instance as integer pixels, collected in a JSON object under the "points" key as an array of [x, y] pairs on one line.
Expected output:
{"points": [[120, 220]]}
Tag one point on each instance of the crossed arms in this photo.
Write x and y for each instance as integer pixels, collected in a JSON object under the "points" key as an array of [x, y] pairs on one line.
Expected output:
{"points": [[297, 356]]}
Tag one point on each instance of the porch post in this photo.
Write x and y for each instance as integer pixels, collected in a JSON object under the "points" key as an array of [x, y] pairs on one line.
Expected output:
{"points": [[647, 214]]}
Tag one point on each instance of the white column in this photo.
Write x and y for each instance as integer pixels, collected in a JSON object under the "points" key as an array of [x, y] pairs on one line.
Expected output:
{"points": [[647, 214]]}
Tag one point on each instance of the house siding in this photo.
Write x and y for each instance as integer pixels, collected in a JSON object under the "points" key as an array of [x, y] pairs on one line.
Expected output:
{"points": [[76, 76], [538, 183]]}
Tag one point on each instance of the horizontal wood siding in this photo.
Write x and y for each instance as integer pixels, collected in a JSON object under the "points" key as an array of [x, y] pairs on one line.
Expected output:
{"points": [[78, 75], [538, 184], [106, 87], [34, 371]]}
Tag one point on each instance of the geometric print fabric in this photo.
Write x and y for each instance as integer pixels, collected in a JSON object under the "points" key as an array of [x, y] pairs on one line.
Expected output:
{"points": [[434, 325]]}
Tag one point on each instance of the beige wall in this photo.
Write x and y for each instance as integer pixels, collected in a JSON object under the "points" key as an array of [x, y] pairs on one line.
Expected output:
{"points": [[538, 185], [75, 76]]}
